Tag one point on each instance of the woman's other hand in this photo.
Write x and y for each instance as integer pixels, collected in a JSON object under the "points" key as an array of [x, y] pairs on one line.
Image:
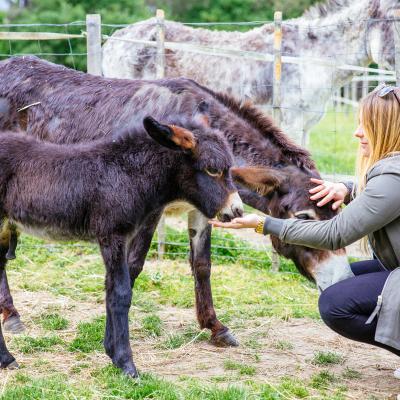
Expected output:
{"points": [[248, 221], [328, 191]]}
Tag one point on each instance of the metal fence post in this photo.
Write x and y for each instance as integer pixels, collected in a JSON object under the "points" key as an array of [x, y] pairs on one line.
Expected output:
{"points": [[160, 73], [277, 98], [93, 43]]}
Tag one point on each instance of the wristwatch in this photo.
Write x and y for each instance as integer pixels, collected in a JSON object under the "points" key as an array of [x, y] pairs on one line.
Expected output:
{"points": [[260, 226]]}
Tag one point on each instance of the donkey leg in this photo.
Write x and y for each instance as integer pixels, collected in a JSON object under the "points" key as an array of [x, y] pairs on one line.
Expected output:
{"points": [[11, 318], [118, 301], [200, 261], [138, 249], [7, 360], [12, 245], [140, 245]]}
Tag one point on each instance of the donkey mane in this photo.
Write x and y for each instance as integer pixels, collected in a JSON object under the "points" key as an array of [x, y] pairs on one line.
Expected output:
{"points": [[323, 10], [266, 126]]}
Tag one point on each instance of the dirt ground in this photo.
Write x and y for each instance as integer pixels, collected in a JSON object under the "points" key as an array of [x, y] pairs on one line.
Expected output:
{"points": [[203, 361]]}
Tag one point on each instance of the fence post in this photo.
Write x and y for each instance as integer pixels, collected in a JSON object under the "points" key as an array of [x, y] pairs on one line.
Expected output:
{"points": [[160, 73], [396, 37], [276, 96], [365, 85], [354, 96], [93, 43]]}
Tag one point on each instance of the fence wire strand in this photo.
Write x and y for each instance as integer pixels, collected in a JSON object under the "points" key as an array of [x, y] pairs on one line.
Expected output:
{"points": [[340, 107]]}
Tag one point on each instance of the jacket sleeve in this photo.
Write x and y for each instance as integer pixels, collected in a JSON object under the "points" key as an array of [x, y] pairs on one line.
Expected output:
{"points": [[374, 208]]}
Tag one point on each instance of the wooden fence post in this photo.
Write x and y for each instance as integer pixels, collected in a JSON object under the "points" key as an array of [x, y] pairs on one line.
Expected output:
{"points": [[160, 73], [93, 43], [396, 37], [277, 96]]}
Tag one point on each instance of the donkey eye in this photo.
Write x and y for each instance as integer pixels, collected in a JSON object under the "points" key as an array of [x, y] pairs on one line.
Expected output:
{"points": [[303, 216], [215, 173]]}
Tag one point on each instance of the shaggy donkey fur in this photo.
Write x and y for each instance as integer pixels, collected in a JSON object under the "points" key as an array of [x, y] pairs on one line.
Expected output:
{"points": [[105, 191]]}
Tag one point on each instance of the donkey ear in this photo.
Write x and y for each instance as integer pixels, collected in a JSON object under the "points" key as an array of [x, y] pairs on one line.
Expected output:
{"points": [[202, 114], [171, 136], [261, 179]]}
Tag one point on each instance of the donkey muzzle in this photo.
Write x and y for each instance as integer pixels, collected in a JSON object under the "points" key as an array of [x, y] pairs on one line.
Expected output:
{"points": [[232, 209]]}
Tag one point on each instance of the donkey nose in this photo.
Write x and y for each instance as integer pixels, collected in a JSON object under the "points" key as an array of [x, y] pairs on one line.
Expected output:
{"points": [[237, 211], [232, 209]]}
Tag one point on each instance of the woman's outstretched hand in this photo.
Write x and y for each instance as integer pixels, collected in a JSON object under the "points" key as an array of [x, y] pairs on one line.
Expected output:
{"points": [[328, 191], [248, 221]]}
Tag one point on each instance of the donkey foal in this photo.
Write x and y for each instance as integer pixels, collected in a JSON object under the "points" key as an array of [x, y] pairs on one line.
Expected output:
{"points": [[105, 191]]}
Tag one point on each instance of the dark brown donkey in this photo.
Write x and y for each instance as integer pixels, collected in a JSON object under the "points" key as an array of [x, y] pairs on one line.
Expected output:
{"points": [[66, 106], [106, 191]]}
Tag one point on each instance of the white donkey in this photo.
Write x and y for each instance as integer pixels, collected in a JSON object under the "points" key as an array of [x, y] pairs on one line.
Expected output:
{"points": [[340, 31]]}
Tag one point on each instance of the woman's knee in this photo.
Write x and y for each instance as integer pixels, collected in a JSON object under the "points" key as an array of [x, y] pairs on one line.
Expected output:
{"points": [[330, 305], [326, 305]]}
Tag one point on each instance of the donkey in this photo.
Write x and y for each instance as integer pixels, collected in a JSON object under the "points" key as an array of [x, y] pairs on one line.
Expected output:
{"points": [[62, 105], [113, 186], [339, 31]]}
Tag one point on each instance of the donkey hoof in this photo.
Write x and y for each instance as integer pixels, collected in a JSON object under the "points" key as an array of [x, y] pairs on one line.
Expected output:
{"points": [[10, 256], [13, 365], [224, 339], [13, 325], [131, 372], [10, 365]]}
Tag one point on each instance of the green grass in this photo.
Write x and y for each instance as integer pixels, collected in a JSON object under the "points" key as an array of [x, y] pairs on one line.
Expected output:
{"points": [[327, 358], [283, 345], [52, 322], [349, 373], [152, 325], [332, 144], [242, 369], [245, 297], [89, 336], [176, 340], [322, 379], [29, 344]]}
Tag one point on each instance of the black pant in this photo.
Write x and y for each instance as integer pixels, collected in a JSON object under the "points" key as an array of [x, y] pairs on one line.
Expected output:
{"points": [[346, 305]]}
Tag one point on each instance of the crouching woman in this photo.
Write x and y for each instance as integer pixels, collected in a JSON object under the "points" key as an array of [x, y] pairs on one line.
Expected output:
{"points": [[365, 307]]}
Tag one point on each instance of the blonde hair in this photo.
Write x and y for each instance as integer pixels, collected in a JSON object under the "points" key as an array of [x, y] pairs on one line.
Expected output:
{"points": [[380, 121]]}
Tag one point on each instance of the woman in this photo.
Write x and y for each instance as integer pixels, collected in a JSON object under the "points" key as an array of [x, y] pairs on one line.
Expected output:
{"points": [[365, 307]]}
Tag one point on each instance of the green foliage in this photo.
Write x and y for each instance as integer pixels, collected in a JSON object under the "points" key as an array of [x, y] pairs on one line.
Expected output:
{"points": [[327, 358], [232, 10], [73, 53], [89, 336], [66, 12], [29, 344], [52, 322]]}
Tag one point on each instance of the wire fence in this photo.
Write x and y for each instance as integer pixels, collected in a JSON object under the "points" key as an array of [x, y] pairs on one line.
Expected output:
{"points": [[329, 141]]}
